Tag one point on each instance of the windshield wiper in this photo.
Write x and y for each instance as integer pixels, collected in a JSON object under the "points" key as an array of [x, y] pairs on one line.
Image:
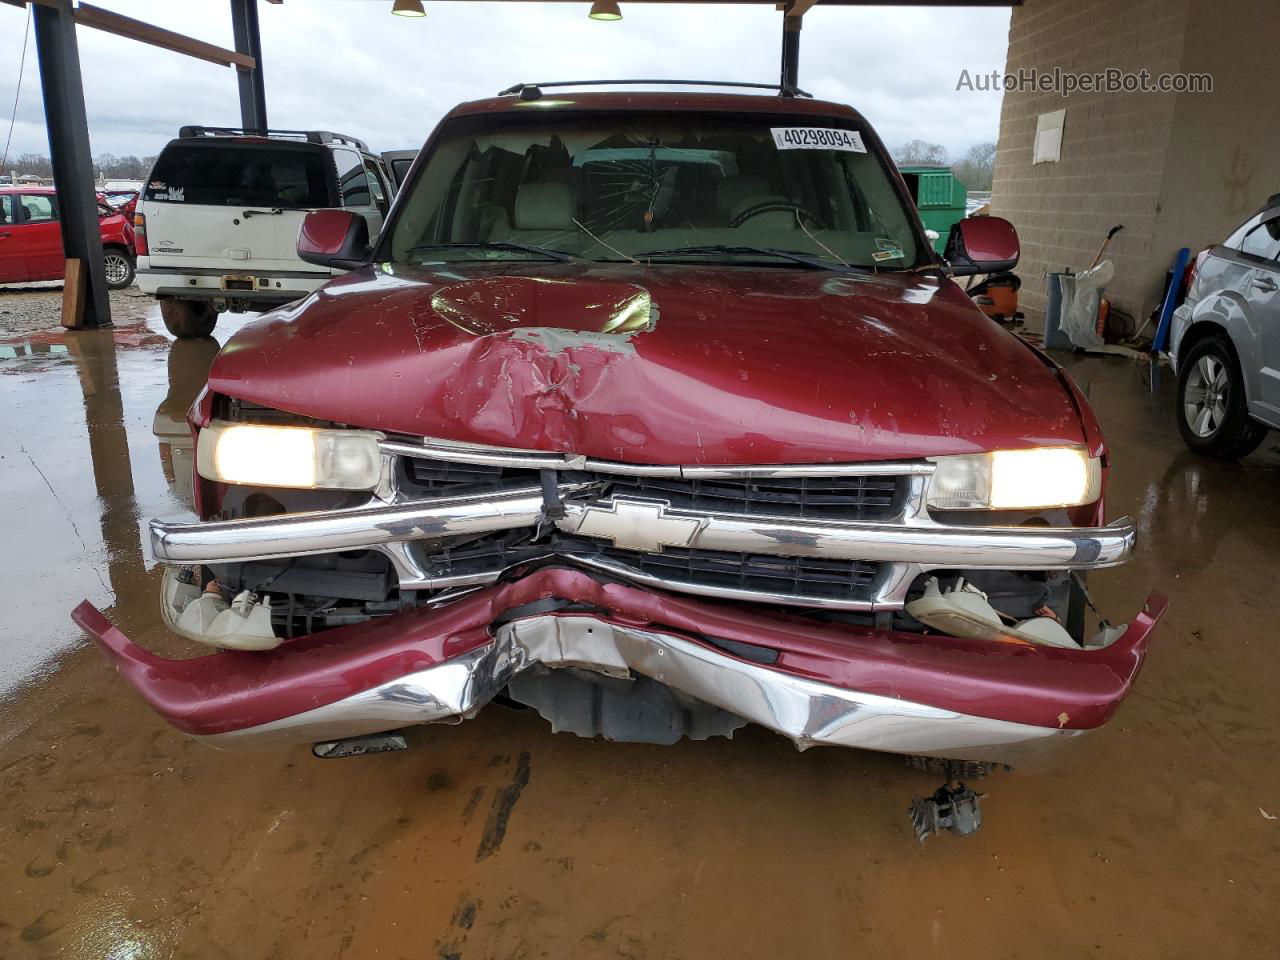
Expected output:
{"points": [[815, 262], [500, 245]]}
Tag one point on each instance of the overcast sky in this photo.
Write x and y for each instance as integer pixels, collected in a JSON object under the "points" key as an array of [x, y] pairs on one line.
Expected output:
{"points": [[349, 65]]}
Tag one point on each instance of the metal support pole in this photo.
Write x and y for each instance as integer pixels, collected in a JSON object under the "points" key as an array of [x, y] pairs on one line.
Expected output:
{"points": [[790, 53], [68, 129], [253, 96]]}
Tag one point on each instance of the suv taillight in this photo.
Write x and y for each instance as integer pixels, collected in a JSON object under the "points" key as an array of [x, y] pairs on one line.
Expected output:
{"points": [[140, 234], [1189, 278]]}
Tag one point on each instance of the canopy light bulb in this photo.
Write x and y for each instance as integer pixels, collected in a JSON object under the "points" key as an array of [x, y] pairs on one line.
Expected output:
{"points": [[605, 10], [408, 8]]}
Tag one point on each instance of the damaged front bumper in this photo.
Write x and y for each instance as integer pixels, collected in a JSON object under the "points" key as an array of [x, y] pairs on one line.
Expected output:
{"points": [[814, 683], [690, 580]]}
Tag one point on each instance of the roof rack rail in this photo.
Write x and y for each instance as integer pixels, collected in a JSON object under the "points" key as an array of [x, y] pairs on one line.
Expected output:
{"points": [[190, 131], [532, 91]]}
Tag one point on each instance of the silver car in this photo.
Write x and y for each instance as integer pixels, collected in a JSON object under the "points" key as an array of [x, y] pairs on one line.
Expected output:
{"points": [[1225, 341]]}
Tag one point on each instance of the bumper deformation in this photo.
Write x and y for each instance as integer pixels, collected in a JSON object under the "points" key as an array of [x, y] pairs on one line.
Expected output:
{"points": [[813, 682]]}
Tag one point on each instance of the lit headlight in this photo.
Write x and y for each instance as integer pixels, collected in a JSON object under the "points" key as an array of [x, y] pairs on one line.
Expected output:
{"points": [[1015, 480], [302, 457]]}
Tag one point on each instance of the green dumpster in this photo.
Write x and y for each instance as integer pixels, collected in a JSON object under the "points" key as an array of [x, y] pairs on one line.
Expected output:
{"points": [[939, 197]]}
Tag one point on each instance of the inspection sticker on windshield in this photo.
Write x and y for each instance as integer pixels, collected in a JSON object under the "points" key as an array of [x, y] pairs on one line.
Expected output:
{"points": [[887, 249], [817, 138]]}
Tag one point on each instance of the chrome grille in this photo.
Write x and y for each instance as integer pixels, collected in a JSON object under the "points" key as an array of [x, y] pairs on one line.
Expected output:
{"points": [[775, 577], [427, 477], [811, 498], [848, 498], [481, 558]]}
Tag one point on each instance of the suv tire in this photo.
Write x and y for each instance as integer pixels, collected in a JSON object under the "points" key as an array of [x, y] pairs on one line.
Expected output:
{"points": [[188, 319], [1213, 416], [118, 266]]}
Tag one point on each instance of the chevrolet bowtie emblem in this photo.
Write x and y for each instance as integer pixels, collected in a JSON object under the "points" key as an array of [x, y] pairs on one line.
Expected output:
{"points": [[633, 525]]}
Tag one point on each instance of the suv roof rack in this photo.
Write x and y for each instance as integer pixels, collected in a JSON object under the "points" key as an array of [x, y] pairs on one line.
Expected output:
{"points": [[532, 91], [310, 136]]}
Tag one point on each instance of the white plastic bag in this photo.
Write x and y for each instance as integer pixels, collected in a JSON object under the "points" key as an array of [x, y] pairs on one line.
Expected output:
{"points": [[1081, 295]]}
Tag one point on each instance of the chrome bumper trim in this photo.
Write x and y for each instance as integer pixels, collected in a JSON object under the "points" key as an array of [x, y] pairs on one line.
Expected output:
{"points": [[924, 544], [906, 547], [805, 711], [333, 531]]}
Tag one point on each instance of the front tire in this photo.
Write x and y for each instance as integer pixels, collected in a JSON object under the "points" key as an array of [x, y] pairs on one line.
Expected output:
{"points": [[1213, 415], [118, 266], [188, 319]]}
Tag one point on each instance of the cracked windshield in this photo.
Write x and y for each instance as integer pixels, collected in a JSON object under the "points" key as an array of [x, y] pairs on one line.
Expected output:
{"points": [[667, 188]]}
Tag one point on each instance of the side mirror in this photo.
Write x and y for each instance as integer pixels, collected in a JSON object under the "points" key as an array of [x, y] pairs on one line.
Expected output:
{"points": [[334, 238], [981, 245]]}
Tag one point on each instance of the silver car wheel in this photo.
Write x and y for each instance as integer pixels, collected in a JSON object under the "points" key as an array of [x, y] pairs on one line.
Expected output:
{"points": [[116, 267], [1205, 399]]}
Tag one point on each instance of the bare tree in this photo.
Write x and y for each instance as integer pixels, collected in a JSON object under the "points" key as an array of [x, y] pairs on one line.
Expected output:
{"points": [[978, 165], [104, 163], [127, 167], [915, 153], [32, 163], [107, 165]]}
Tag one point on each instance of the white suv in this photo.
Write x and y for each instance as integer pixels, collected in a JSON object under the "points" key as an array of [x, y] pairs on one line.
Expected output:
{"points": [[217, 223]]}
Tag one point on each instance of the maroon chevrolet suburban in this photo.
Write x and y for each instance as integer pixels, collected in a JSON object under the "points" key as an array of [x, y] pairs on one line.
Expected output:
{"points": [[658, 414]]}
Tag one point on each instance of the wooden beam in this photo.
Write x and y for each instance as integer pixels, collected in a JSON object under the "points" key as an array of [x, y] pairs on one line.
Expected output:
{"points": [[88, 15], [798, 8], [74, 288]]}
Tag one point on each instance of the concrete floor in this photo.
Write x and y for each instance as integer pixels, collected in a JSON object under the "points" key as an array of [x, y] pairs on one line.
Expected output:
{"points": [[120, 839]]}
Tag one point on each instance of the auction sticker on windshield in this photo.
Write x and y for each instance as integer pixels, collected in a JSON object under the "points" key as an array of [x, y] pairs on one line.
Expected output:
{"points": [[817, 138]]}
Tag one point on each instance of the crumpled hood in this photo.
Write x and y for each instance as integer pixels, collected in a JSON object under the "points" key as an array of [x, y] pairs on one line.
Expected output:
{"points": [[666, 364]]}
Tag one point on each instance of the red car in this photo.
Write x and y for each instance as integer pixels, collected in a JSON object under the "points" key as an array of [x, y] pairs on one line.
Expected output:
{"points": [[31, 238], [121, 201], [658, 414]]}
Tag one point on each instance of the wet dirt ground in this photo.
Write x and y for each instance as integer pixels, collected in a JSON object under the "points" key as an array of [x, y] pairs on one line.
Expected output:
{"points": [[119, 838]]}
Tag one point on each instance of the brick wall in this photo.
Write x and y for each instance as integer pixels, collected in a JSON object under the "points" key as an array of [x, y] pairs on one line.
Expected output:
{"points": [[1114, 146], [1224, 151]]}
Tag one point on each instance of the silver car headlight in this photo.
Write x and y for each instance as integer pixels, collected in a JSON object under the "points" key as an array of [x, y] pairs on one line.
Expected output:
{"points": [[1015, 479], [301, 457]]}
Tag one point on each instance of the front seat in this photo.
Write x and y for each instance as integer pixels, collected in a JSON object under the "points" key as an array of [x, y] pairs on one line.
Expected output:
{"points": [[543, 207], [741, 193], [733, 190], [543, 216]]}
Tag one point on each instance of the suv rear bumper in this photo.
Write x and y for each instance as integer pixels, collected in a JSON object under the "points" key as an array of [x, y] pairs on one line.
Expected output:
{"points": [[205, 283], [816, 683]]}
